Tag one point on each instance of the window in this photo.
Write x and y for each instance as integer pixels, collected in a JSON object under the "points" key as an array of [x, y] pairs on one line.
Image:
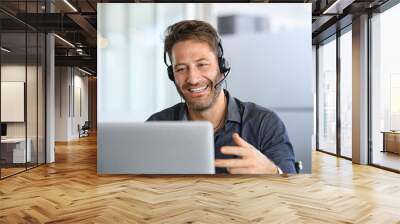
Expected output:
{"points": [[327, 96], [385, 88], [346, 93]]}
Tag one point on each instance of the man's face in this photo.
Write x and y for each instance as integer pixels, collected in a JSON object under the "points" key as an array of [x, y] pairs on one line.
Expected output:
{"points": [[196, 72]]}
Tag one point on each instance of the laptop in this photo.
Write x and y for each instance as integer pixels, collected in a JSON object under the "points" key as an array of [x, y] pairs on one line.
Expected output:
{"points": [[156, 147]]}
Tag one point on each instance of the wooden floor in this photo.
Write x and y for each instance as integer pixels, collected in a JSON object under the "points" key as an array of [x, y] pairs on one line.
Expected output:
{"points": [[69, 191], [10, 171], [5, 172], [387, 159]]}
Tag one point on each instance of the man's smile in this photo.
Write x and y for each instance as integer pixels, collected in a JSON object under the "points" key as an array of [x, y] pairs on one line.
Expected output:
{"points": [[198, 89]]}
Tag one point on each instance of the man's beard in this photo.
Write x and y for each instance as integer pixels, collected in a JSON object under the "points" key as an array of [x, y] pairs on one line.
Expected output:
{"points": [[207, 103]]}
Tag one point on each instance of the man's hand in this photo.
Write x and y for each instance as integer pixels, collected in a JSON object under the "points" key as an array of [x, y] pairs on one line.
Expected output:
{"points": [[251, 160]]}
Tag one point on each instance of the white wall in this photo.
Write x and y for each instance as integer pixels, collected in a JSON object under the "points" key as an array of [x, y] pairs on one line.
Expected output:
{"points": [[278, 76], [61, 103], [79, 117], [12, 73], [68, 82]]}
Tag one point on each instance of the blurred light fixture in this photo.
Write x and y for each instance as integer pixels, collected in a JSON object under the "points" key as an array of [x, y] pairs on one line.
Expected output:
{"points": [[337, 7], [70, 5], [5, 50], [84, 71], [79, 51], [64, 40]]}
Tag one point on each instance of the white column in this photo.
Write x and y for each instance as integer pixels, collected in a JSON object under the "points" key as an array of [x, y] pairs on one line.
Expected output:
{"points": [[360, 90], [50, 99]]}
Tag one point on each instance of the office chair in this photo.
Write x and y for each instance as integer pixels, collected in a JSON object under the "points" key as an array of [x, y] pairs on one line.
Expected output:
{"points": [[84, 130], [298, 165]]}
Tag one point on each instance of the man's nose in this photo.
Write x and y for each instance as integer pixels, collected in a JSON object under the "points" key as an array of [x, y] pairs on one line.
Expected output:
{"points": [[194, 75]]}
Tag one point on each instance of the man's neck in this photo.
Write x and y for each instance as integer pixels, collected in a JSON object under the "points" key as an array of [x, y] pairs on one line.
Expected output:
{"points": [[214, 114]]}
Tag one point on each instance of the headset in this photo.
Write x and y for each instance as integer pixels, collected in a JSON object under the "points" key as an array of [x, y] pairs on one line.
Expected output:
{"points": [[223, 65]]}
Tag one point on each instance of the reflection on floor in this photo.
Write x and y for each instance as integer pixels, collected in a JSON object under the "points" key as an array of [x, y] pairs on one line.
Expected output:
{"points": [[386, 159], [346, 151], [11, 169]]}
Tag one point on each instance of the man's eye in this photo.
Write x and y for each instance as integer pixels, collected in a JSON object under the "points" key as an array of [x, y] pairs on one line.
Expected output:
{"points": [[202, 65]]}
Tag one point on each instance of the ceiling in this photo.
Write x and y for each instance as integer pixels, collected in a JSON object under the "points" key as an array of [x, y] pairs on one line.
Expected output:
{"points": [[76, 22]]}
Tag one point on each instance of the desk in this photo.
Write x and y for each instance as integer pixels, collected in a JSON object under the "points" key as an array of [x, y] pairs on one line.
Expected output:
{"points": [[391, 141], [15, 148]]}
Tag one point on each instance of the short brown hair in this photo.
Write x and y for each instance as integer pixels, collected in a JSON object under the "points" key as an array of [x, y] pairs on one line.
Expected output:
{"points": [[191, 30]]}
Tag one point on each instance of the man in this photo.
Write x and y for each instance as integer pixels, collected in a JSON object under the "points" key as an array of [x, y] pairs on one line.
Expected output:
{"points": [[249, 139]]}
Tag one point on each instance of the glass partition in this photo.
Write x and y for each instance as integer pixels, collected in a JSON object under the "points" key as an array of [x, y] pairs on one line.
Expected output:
{"points": [[13, 110], [31, 99], [327, 95], [22, 91], [41, 91]]}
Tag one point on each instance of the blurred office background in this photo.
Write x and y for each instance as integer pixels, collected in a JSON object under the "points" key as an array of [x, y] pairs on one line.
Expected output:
{"points": [[268, 47], [49, 71]]}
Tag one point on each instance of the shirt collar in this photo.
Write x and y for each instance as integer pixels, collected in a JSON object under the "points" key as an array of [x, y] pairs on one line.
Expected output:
{"points": [[183, 113], [233, 110]]}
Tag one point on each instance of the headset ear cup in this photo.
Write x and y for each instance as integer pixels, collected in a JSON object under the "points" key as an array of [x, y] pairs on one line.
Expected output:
{"points": [[223, 65], [170, 73]]}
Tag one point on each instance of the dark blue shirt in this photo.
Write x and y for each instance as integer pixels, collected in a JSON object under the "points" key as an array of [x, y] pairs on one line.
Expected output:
{"points": [[259, 126]]}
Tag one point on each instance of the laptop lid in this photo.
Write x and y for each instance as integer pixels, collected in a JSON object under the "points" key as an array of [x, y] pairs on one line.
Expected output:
{"points": [[155, 148]]}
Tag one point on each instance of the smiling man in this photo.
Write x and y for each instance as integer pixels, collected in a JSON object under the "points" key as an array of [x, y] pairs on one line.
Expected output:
{"points": [[249, 139]]}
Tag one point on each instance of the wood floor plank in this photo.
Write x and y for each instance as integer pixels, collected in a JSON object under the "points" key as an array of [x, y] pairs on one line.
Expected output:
{"points": [[70, 191]]}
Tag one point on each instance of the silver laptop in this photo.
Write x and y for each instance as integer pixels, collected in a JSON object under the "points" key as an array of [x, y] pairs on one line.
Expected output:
{"points": [[155, 148]]}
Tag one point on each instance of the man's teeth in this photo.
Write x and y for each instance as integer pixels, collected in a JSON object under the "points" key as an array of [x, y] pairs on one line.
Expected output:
{"points": [[196, 90]]}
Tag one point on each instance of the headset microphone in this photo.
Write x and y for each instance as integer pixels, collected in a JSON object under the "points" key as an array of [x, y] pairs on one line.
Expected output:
{"points": [[223, 79]]}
